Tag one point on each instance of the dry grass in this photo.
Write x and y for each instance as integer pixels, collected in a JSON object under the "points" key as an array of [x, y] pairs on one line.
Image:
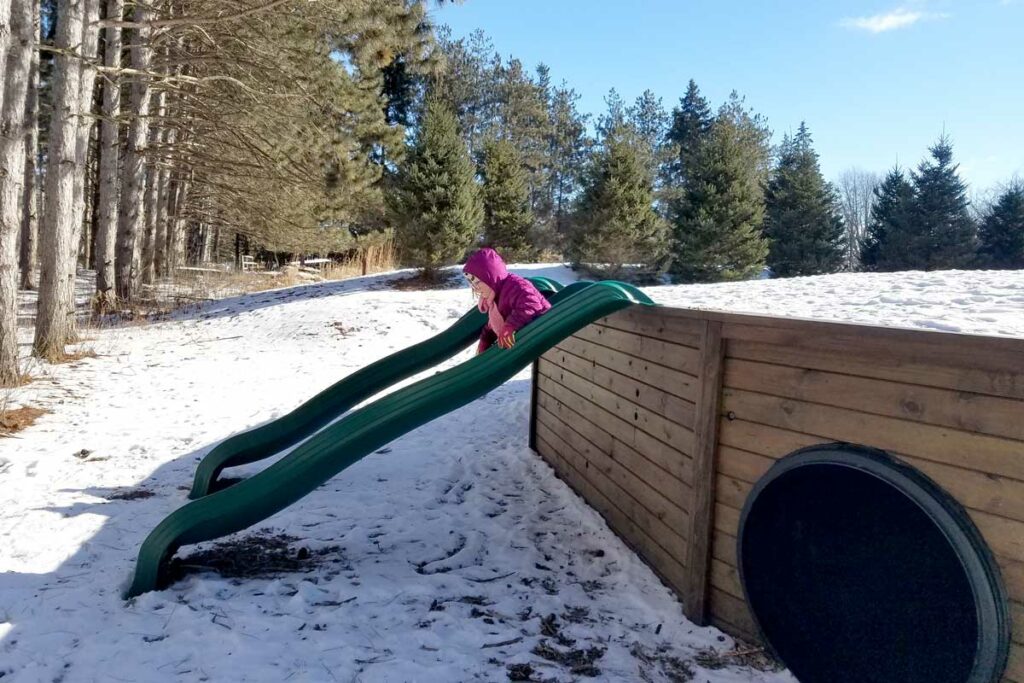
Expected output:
{"points": [[375, 259], [423, 281], [196, 285], [17, 419], [75, 356]]}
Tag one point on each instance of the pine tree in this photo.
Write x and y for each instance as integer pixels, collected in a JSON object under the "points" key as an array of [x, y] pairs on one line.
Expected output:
{"points": [[506, 200], [568, 149], [650, 120], [717, 220], [691, 123], [894, 240], [616, 225], [802, 219], [437, 199], [1002, 230], [942, 210]]}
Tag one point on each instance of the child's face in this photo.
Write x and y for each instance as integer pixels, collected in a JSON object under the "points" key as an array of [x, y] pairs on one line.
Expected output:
{"points": [[479, 288]]}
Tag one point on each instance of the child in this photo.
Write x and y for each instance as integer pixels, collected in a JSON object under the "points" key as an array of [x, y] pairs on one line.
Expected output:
{"points": [[509, 301]]}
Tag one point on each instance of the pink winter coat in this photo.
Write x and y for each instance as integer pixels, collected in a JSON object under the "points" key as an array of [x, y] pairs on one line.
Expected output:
{"points": [[516, 301]]}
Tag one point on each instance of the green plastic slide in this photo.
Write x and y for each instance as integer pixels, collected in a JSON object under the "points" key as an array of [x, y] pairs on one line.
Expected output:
{"points": [[273, 437], [367, 429]]}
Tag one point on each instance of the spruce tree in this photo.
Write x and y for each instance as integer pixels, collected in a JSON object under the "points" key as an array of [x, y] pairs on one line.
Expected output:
{"points": [[616, 225], [568, 150], [691, 123], [1002, 230], [942, 210], [437, 200], [717, 220], [506, 200], [802, 220], [894, 240]]}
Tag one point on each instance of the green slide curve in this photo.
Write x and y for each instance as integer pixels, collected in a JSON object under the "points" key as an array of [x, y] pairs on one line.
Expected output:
{"points": [[275, 436], [367, 429]]}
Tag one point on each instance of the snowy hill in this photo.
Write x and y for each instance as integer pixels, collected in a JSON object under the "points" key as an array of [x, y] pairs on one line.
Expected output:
{"points": [[439, 558]]}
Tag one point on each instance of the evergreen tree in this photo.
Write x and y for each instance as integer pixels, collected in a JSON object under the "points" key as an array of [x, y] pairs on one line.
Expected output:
{"points": [[437, 200], [506, 200], [802, 219], [717, 220], [616, 225], [691, 123], [650, 120], [523, 120], [568, 150], [942, 210], [1002, 230], [470, 85], [894, 240]]}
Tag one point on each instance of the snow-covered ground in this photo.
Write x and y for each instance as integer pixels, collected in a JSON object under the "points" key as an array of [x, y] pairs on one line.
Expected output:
{"points": [[440, 558]]}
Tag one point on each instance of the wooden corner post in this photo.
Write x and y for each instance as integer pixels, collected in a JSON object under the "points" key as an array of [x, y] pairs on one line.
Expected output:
{"points": [[708, 407]]}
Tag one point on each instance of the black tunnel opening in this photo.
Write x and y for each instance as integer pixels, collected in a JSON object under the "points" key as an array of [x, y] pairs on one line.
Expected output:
{"points": [[860, 569]]}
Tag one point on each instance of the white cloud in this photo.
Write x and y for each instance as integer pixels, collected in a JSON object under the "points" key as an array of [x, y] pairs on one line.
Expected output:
{"points": [[890, 21]]}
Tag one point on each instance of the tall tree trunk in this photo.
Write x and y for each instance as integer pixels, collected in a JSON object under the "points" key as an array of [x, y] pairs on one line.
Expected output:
{"points": [[86, 125], [12, 180], [176, 225], [5, 37], [160, 239], [130, 224], [106, 225], [152, 199], [58, 244], [30, 196], [149, 224]]}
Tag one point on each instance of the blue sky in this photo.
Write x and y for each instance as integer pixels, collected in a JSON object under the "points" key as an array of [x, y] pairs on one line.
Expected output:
{"points": [[877, 82]]}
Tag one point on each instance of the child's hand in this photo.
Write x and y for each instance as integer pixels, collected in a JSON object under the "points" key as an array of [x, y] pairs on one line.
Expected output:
{"points": [[507, 337]]}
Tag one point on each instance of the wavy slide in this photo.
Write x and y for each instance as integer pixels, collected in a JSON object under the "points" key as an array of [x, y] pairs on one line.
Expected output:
{"points": [[273, 437], [367, 429]]}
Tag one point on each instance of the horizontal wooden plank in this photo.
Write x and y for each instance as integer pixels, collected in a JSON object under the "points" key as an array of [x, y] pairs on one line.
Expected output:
{"points": [[1004, 536], [1013, 577], [676, 356], [735, 612], [1017, 619], [982, 491], [771, 442], [742, 465], [1006, 383], [631, 390], [1002, 356], [725, 577], [652, 475], [664, 508], [1015, 665], [673, 461], [660, 323], [669, 539], [664, 565], [727, 519], [804, 328], [644, 370], [723, 548], [671, 457], [955, 409], [731, 492], [979, 452], [674, 434]]}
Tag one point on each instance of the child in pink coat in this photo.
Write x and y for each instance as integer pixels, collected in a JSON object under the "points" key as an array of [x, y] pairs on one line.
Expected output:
{"points": [[509, 301]]}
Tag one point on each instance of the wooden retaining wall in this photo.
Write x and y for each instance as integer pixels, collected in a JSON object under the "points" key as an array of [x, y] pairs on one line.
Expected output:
{"points": [[663, 419]]}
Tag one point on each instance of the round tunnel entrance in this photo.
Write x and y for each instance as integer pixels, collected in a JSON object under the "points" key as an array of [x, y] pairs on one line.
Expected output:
{"points": [[860, 569]]}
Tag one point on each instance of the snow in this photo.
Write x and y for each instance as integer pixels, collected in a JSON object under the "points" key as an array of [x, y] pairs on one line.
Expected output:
{"points": [[433, 552]]}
